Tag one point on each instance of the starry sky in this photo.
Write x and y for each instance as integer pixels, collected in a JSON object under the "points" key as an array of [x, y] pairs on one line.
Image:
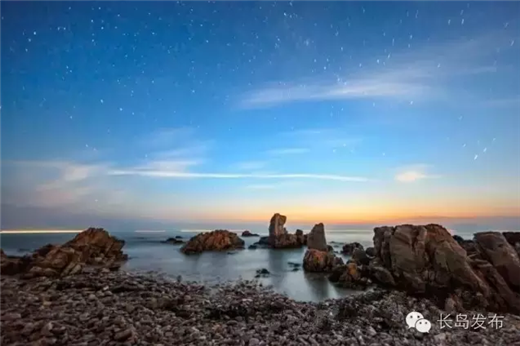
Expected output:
{"points": [[227, 112]]}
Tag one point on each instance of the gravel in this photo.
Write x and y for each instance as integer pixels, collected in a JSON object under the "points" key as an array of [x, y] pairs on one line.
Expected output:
{"points": [[120, 308]]}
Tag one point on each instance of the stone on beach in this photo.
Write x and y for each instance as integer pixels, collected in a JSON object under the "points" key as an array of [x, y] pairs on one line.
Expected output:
{"points": [[219, 240], [118, 308]]}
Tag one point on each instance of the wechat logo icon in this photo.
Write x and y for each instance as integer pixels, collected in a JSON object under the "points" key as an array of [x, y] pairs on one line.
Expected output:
{"points": [[416, 320]]}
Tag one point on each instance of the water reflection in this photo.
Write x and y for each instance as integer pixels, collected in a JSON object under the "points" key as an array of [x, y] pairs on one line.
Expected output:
{"points": [[147, 252]]}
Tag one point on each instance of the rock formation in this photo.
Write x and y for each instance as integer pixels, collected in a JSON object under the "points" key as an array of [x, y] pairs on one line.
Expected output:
{"points": [[91, 247], [513, 238], [316, 238], [494, 247], [174, 241], [349, 276], [468, 245], [246, 233], [360, 257], [300, 237], [428, 260], [318, 258], [320, 261], [278, 237], [348, 249], [219, 240]]}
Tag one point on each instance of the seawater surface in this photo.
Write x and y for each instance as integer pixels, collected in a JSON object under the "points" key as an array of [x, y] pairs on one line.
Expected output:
{"points": [[148, 253]]}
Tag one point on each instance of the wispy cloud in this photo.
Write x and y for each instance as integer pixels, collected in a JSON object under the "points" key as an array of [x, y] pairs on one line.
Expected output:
{"points": [[407, 75], [287, 151], [414, 173], [197, 175]]}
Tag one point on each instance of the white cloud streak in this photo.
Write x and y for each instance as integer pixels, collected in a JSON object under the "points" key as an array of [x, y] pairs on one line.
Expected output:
{"points": [[404, 76], [195, 175]]}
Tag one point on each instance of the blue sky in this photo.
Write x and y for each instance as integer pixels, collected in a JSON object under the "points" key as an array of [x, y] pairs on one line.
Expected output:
{"points": [[341, 112]]}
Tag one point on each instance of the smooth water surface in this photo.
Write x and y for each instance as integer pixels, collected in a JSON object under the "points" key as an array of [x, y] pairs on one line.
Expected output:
{"points": [[147, 253]]}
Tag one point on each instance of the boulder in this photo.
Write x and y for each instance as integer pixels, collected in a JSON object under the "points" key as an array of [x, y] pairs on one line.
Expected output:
{"points": [[262, 273], [513, 238], [219, 240], [371, 252], [285, 241], [380, 274], [279, 238], [276, 225], [174, 241], [427, 260], [348, 249], [12, 265], [316, 238], [301, 238], [349, 276], [94, 246], [263, 241], [246, 233], [320, 261], [360, 257], [466, 244], [495, 248]]}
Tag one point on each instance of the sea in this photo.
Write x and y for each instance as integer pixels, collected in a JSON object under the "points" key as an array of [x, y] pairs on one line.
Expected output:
{"points": [[147, 253]]}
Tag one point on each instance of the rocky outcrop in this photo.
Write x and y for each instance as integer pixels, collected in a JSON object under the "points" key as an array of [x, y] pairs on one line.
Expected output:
{"points": [[494, 247], [276, 225], [174, 241], [320, 261], [316, 238], [427, 260], [513, 238], [278, 237], [246, 233], [348, 249], [12, 265], [300, 237], [91, 247], [349, 276], [359, 256], [370, 252], [219, 240], [466, 244], [319, 257]]}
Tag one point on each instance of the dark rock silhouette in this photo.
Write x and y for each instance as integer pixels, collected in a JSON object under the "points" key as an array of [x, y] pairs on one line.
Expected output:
{"points": [[246, 233], [348, 248]]}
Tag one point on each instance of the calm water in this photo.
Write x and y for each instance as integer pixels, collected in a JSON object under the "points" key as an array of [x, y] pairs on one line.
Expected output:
{"points": [[147, 253]]}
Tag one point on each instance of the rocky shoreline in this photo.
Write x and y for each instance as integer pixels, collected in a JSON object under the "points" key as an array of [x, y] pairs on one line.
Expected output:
{"points": [[99, 307], [75, 294]]}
